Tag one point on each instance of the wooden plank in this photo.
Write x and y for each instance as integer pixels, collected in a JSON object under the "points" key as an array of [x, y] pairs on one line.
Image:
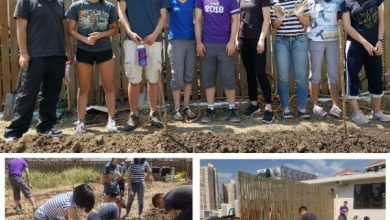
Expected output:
{"points": [[387, 46], [14, 46], [5, 58]]}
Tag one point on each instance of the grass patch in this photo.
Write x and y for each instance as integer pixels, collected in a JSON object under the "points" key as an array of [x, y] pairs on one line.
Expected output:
{"points": [[45, 180]]}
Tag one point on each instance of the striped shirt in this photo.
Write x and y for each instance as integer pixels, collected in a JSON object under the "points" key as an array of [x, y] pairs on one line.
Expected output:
{"points": [[138, 171], [291, 25], [55, 207]]}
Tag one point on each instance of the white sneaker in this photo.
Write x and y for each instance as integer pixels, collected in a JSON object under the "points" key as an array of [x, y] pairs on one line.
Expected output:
{"points": [[319, 111], [380, 116], [336, 111], [177, 116], [111, 126], [360, 118], [80, 127], [10, 139]]}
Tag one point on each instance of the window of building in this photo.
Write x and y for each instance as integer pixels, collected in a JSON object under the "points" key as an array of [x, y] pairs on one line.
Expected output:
{"points": [[370, 196]]}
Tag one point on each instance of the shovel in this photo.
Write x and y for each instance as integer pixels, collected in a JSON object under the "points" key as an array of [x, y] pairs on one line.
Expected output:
{"points": [[9, 101]]}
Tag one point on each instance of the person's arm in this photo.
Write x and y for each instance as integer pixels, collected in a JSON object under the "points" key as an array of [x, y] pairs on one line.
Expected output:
{"points": [[355, 35], [162, 21], [72, 24], [200, 49], [172, 214], [231, 46], [21, 34], [301, 11], [122, 7], [381, 30], [27, 175], [264, 29], [111, 32], [71, 214], [67, 42]]}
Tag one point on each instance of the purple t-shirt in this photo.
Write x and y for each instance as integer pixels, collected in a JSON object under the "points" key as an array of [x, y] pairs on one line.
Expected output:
{"points": [[344, 209], [217, 19], [16, 167]]}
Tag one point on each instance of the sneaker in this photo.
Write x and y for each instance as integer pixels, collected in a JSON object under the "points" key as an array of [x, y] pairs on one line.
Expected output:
{"points": [[303, 114], [208, 116], [232, 116], [155, 122], [132, 123], [189, 114], [335, 111], [80, 127], [177, 116], [380, 116], [19, 210], [53, 132], [268, 117], [10, 139], [360, 118], [252, 109], [319, 111], [111, 126], [287, 114]]}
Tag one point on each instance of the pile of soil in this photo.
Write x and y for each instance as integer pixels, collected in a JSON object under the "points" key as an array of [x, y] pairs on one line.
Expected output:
{"points": [[155, 214], [362, 140]]}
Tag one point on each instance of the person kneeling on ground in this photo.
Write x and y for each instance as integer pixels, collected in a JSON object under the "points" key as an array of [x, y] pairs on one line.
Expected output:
{"points": [[64, 205], [305, 214], [179, 199], [216, 29], [107, 210], [16, 167]]}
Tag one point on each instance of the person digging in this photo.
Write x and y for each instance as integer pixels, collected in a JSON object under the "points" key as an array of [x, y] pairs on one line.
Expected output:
{"points": [[178, 203]]}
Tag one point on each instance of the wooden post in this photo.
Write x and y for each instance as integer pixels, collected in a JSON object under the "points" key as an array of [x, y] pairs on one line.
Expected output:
{"points": [[341, 73]]}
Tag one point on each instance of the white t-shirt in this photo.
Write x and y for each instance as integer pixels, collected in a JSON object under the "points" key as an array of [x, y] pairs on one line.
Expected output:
{"points": [[323, 20], [55, 207]]}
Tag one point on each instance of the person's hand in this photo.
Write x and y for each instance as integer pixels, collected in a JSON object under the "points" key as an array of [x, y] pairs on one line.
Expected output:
{"points": [[260, 46], [378, 48], [24, 60], [200, 50], [150, 39], [69, 57], [300, 7], [135, 37], [96, 35], [369, 48], [91, 41], [231, 48], [279, 11]]}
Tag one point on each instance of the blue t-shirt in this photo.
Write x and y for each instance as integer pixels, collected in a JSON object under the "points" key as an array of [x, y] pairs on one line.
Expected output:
{"points": [[181, 22], [364, 17], [323, 23]]}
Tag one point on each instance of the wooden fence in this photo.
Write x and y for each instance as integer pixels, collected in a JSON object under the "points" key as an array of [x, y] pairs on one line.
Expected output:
{"points": [[269, 199], [59, 165], [9, 68]]}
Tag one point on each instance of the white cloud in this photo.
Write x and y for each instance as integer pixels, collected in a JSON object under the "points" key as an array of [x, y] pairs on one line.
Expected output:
{"points": [[321, 167], [225, 176]]}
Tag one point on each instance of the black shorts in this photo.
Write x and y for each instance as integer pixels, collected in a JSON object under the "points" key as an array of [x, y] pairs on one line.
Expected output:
{"points": [[93, 57]]}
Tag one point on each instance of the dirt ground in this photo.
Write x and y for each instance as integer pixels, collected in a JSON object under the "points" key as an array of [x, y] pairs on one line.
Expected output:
{"points": [[325, 135], [41, 196]]}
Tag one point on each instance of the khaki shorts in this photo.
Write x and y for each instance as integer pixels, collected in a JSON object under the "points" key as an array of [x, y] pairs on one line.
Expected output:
{"points": [[133, 70]]}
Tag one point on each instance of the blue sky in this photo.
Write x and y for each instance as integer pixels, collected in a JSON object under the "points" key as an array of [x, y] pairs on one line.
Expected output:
{"points": [[227, 169]]}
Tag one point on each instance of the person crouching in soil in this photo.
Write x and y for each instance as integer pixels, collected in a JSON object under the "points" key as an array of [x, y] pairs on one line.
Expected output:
{"points": [[179, 199], [107, 211]]}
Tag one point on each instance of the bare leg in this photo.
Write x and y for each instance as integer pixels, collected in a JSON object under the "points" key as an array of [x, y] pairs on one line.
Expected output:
{"points": [[314, 90], [187, 94], [334, 93], [32, 202], [107, 76], [231, 95], [17, 203], [376, 104], [210, 95], [176, 98], [133, 93], [84, 72], [353, 103], [153, 96]]}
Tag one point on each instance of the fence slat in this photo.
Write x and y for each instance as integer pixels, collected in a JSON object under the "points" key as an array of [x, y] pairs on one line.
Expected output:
{"points": [[5, 58]]}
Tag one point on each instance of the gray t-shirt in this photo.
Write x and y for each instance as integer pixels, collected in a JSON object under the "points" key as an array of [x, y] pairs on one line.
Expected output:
{"points": [[45, 29], [106, 211], [143, 15], [93, 17]]}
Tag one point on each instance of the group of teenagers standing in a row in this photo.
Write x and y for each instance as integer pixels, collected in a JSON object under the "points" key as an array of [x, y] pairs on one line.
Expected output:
{"points": [[213, 30]]}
